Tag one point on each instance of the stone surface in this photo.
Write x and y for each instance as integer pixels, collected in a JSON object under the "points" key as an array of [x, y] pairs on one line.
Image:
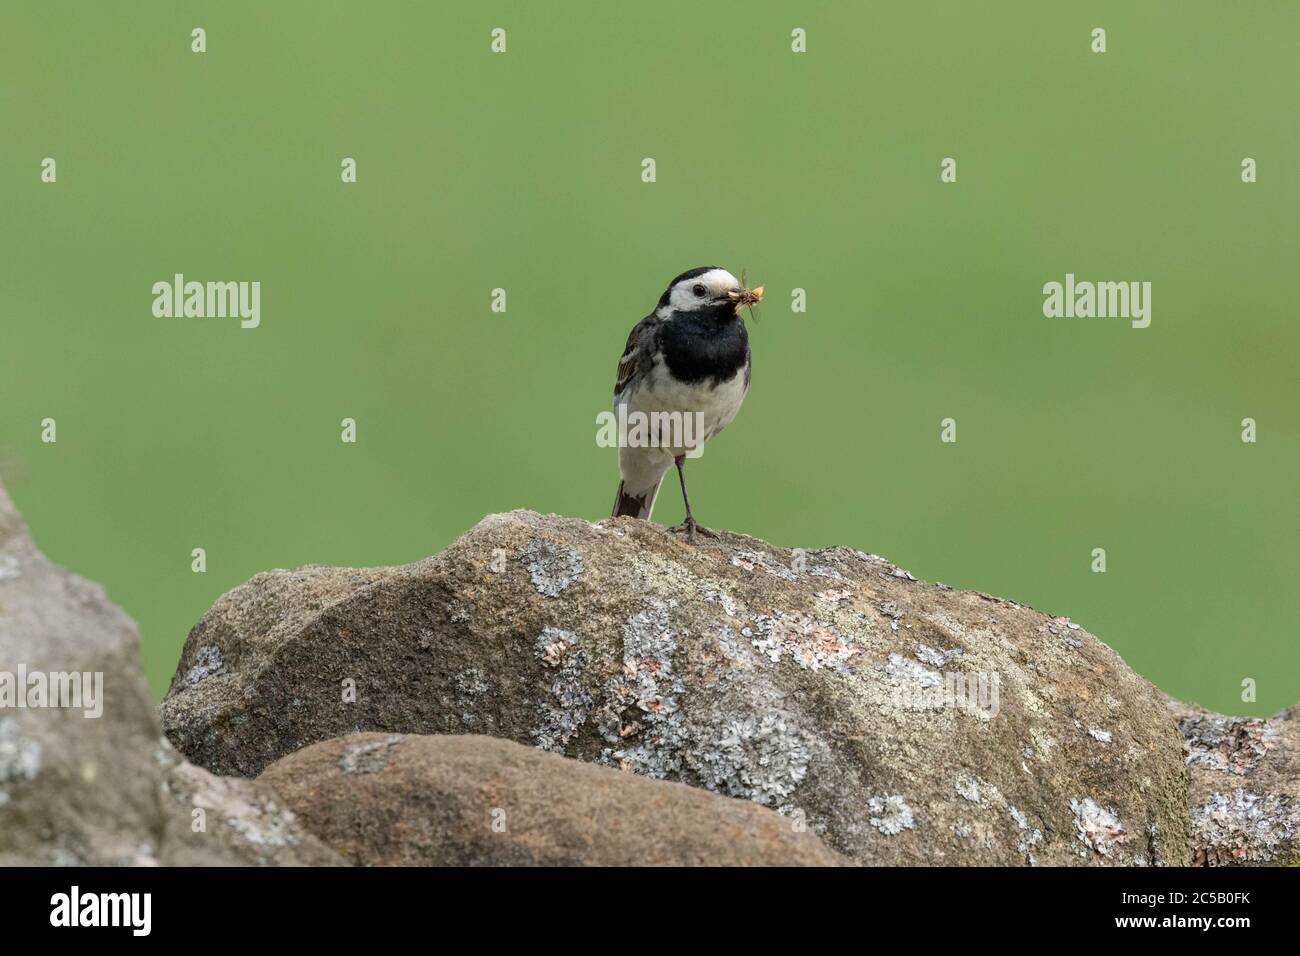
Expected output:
{"points": [[1245, 786], [1288, 713], [244, 822], [105, 790], [904, 721], [394, 800], [72, 789]]}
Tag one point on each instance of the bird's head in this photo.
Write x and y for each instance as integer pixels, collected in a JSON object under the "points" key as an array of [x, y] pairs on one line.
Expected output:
{"points": [[709, 289]]}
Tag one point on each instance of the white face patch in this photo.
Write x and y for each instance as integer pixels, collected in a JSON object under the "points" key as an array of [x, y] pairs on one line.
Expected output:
{"points": [[716, 283]]}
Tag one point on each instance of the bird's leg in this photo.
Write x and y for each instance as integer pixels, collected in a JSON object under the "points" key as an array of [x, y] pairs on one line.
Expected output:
{"points": [[689, 525]]}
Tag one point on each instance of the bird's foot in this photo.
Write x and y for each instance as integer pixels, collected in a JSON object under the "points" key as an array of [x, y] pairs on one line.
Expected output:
{"points": [[692, 529]]}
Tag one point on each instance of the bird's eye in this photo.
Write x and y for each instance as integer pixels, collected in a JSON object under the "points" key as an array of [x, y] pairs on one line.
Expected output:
{"points": [[699, 290]]}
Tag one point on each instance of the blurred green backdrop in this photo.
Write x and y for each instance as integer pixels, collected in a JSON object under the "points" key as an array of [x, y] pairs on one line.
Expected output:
{"points": [[522, 171]]}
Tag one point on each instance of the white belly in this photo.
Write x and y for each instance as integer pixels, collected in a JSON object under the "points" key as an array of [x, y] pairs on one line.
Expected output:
{"points": [[679, 419], [711, 407]]}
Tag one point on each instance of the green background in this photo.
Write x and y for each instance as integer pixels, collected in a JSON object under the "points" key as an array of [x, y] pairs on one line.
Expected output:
{"points": [[522, 171]]}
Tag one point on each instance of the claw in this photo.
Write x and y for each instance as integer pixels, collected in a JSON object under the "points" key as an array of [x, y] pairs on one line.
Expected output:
{"points": [[691, 529]]}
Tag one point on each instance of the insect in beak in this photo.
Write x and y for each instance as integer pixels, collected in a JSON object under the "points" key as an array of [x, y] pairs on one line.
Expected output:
{"points": [[745, 296]]}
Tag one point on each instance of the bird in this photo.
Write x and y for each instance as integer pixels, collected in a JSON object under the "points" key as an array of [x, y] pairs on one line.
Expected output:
{"points": [[689, 358]]}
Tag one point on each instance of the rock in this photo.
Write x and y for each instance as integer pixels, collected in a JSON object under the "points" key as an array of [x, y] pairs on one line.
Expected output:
{"points": [[1288, 713], [394, 800], [100, 790], [905, 722], [73, 789], [1245, 786], [246, 823]]}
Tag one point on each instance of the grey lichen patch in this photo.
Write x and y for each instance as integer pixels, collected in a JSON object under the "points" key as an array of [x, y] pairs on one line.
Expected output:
{"points": [[256, 817], [967, 787], [641, 709], [1063, 629], [1244, 827], [20, 758], [757, 561], [978, 833], [1028, 837], [890, 814], [812, 643], [552, 567], [369, 757], [207, 661], [934, 657], [1103, 736], [1097, 827], [268, 825], [825, 571], [719, 596], [763, 759], [565, 710], [731, 647], [648, 634], [472, 682], [471, 685], [9, 569], [1044, 743], [1232, 744], [928, 655], [250, 811], [902, 669]]}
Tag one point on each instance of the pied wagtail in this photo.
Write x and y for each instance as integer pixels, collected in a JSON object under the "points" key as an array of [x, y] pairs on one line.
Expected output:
{"points": [[689, 356]]}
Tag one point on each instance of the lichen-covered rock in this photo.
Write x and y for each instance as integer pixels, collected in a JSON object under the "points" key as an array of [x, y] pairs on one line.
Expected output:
{"points": [[73, 788], [394, 800], [904, 722], [85, 776], [1288, 713], [1245, 786], [230, 821]]}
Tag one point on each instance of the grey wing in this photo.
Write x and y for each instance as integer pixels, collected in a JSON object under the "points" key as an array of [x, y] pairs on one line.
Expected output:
{"points": [[639, 353]]}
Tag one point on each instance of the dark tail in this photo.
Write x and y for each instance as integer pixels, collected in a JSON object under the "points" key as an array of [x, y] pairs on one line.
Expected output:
{"points": [[636, 506]]}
